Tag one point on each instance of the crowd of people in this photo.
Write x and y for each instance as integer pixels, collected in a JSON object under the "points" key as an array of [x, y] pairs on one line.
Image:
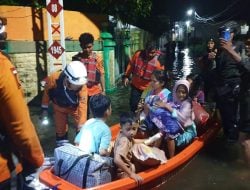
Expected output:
{"points": [[155, 110]]}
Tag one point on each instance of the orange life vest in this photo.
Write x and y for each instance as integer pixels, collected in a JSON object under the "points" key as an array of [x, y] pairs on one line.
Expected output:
{"points": [[144, 69], [90, 64]]}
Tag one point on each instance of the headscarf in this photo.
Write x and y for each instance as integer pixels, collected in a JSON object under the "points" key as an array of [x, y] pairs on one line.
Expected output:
{"points": [[184, 112], [180, 82]]}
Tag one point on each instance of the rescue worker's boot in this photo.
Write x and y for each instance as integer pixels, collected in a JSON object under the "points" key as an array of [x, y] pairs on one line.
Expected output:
{"points": [[60, 141]]}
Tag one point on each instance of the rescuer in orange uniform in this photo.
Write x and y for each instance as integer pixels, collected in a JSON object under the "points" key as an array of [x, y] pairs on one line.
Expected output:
{"points": [[19, 144], [68, 93], [141, 66]]}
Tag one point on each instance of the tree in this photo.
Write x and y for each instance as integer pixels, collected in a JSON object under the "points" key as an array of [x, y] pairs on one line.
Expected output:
{"points": [[135, 12]]}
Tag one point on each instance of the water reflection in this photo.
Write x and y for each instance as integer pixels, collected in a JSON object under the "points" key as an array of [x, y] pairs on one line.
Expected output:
{"points": [[179, 64], [183, 65]]}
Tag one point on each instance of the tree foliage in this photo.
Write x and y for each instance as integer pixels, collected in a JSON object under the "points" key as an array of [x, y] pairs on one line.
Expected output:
{"points": [[135, 12], [128, 11], [125, 10]]}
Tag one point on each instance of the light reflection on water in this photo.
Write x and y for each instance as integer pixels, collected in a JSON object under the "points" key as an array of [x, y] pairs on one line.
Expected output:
{"points": [[183, 65], [218, 166]]}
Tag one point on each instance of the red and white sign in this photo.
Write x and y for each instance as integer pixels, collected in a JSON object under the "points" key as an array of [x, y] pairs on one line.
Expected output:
{"points": [[55, 28], [56, 50], [54, 8]]}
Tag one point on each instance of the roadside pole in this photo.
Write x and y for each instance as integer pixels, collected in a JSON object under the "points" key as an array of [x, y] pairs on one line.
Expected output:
{"points": [[56, 39]]}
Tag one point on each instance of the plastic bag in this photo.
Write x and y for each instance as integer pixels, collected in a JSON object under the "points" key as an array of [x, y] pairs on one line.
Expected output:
{"points": [[149, 156], [201, 115]]}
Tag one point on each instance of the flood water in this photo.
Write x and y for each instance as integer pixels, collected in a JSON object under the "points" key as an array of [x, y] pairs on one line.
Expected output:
{"points": [[218, 166]]}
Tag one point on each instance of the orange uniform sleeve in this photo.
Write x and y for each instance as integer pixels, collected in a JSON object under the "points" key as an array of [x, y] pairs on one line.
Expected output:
{"points": [[50, 83], [14, 116], [159, 66], [82, 108], [130, 66], [100, 67], [99, 64]]}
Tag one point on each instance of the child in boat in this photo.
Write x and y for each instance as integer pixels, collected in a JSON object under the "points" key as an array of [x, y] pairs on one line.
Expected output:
{"points": [[123, 147], [181, 108], [95, 135], [196, 88]]}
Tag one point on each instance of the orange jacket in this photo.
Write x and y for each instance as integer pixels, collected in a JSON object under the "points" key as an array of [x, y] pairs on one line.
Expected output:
{"points": [[83, 96], [15, 123], [137, 81]]}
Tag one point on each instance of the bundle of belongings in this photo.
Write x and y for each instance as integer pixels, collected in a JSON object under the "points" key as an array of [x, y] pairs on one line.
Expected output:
{"points": [[162, 118], [82, 169]]}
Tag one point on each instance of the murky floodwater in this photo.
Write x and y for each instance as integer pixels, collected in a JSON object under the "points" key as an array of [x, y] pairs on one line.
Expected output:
{"points": [[218, 166]]}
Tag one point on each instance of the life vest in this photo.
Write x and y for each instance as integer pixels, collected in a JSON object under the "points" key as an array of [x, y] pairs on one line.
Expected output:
{"points": [[144, 69], [62, 96], [93, 74]]}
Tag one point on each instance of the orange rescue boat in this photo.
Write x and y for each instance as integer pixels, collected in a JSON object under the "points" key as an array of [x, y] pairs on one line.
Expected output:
{"points": [[153, 177]]}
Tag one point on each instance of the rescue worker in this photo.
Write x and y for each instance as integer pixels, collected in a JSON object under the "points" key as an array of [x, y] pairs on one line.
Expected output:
{"points": [[19, 143], [93, 64], [141, 66], [68, 93]]}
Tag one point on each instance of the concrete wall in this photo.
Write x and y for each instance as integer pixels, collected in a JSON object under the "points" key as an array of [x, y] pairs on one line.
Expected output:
{"points": [[26, 23], [31, 63], [27, 36]]}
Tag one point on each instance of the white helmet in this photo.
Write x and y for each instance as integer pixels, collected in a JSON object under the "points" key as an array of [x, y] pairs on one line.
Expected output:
{"points": [[76, 73]]}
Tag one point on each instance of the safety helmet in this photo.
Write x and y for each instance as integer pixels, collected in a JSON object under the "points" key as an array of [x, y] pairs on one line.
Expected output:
{"points": [[76, 73]]}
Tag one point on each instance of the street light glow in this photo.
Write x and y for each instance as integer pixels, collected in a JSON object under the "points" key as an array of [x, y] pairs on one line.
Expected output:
{"points": [[190, 12], [188, 23]]}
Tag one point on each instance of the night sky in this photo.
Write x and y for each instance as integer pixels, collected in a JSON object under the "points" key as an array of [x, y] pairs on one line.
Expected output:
{"points": [[176, 9]]}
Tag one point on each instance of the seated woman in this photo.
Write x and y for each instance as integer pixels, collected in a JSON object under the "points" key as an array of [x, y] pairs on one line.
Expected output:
{"points": [[162, 118], [158, 88], [181, 109]]}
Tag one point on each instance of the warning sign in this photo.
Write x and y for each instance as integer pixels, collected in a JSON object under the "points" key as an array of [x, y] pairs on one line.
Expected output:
{"points": [[56, 50], [54, 8]]}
